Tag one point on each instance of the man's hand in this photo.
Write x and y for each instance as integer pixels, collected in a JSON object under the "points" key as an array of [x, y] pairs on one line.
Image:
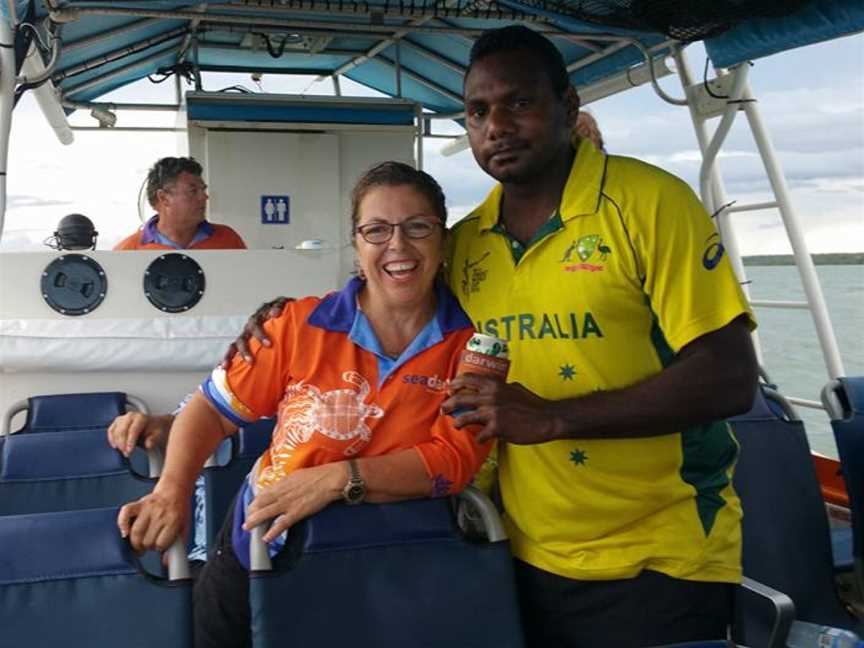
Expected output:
{"points": [[298, 495], [155, 521], [505, 411], [136, 428], [253, 328]]}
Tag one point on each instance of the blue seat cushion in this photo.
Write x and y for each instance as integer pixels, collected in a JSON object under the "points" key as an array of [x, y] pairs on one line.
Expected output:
{"points": [[73, 411], [69, 579], [841, 547], [389, 576], [67, 454], [63, 471]]}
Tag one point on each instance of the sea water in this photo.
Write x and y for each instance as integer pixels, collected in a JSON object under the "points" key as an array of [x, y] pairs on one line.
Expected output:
{"points": [[790, 348]]}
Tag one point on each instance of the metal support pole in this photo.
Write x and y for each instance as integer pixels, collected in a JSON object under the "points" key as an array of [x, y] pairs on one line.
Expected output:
{"points": [[716, 194], [196, 68], [13, 13], [398, 69], [337, 86], [47, 98], [418, 115], [7, 102], [795, 232], [141, 107], [709, 154]]}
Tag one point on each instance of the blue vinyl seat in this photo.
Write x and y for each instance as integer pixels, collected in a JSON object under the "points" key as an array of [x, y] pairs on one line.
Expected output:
{"points": [[844, 400], [386, 576], [221, 483], [60, 459], [63, 471], [63, 412], [786, 540], [68, 579]]}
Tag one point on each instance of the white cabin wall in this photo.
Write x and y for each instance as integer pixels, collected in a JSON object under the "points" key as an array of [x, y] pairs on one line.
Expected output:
{"points": [[237, 282], [243, 166], [316, 169], [358, 152]]}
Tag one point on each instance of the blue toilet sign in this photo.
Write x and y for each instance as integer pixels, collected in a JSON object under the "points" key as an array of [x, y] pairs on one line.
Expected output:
{"points": [[275, 210]]}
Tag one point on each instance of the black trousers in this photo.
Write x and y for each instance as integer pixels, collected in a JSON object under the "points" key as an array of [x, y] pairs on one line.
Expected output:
{"points": [[649, 610], [221, 597]]}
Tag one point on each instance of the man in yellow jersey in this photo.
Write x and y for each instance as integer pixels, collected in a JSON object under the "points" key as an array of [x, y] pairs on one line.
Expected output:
{"points": [[629, 341]]}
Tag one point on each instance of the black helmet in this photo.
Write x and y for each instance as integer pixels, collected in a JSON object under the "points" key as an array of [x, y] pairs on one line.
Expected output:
{"points": [[74, 232]]}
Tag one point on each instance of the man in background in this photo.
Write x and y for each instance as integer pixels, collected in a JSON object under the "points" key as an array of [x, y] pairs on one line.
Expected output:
{"points": [[177, 192], [587, 128]]}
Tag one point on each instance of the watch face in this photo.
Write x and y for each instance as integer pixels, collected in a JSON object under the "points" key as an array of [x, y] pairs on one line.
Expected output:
{"points": [[355, 493]]}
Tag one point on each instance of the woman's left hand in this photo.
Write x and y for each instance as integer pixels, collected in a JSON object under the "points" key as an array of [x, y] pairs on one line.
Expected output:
{"points": [[298, 495]]}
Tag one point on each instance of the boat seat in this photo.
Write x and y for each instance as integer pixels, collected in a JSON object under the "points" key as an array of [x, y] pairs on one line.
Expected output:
{"points": [[786, 540], [59, 412], [222, 482], [68, 579], [84, 411], [388, 576], [64, 471], [841, 549], [844, 400]]}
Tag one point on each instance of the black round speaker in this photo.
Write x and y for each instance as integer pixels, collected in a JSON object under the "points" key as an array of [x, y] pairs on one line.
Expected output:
{"points": [[174, 283], [74, 284]]}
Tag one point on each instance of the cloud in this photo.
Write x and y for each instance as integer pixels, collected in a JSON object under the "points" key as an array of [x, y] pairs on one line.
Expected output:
{"points": [[17, 201], [818, 132]]}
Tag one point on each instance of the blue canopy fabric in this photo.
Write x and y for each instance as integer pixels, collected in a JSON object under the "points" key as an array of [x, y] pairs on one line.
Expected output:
{"points": [[104, 51]]}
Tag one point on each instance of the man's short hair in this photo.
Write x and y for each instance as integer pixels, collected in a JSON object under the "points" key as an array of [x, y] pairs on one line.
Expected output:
{"points": [[521, 38], [165, 173]]}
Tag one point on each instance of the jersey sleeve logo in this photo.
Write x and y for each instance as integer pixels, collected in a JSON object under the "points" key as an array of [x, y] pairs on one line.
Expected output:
{"points": [[714, 251], [337, 419], [587, 248]]}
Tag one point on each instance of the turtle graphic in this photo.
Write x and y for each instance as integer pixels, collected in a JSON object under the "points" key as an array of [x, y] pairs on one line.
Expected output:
{"points": [[339, 416]]}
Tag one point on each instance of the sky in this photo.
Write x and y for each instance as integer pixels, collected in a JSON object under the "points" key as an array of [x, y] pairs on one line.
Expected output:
{"points": [[811, 99]]}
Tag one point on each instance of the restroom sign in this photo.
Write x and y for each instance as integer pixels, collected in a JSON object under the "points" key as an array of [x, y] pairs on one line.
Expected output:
{"points": [[275, 210]]}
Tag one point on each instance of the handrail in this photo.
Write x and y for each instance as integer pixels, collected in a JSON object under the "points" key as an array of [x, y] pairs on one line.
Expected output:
{"points": [[259, 556], [488, 513], [15, 408], [771, 303], [831, 401], [804, 402], [178, 561]]}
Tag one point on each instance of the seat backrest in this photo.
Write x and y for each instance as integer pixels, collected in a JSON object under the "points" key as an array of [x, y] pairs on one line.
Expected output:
{"points": [[68, 579], [786, 541], [221, 483], [387, 575], [847, 420], [56, 412], [64, 471]]}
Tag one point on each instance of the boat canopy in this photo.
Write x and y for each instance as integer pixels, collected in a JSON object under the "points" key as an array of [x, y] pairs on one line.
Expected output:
{"points": [[415, 49]]}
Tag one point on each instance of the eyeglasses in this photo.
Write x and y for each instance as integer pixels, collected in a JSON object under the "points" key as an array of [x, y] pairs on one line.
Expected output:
{"points": [[416, 228], [193, 191]]}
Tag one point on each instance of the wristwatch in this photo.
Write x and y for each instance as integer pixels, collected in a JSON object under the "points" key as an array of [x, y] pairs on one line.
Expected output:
{"points": [[355, 490]]}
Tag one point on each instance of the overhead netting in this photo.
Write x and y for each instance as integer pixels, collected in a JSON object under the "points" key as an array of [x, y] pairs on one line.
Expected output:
{"points": [[684, 20]]}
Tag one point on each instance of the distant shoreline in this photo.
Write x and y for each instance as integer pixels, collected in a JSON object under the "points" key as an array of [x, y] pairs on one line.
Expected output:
{"points": [[836, 258]]}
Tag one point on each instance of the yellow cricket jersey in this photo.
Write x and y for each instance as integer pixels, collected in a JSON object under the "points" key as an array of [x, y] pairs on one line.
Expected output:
{"points": [[628, 272]]}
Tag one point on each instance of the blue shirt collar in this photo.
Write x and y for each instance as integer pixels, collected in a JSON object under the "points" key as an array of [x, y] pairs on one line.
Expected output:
{"points": [[151, 234], [337, 311]]}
